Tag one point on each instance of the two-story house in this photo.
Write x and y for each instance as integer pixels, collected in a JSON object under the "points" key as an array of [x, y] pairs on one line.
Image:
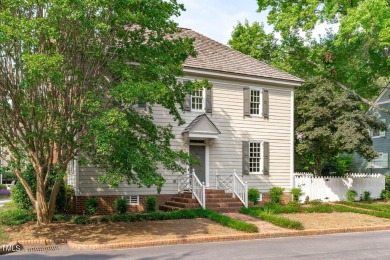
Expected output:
{"points": [[380, 140], [244, 124]]}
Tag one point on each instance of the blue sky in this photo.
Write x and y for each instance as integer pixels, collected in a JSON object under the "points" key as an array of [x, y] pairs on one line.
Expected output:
{"points": [[216, 18]]}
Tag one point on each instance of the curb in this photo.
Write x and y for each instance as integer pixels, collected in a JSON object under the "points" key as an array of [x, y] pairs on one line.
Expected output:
{"points": [[18, 245]]}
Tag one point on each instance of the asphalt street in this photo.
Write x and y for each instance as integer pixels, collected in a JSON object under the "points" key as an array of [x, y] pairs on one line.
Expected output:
{"points": [[363, 245]]}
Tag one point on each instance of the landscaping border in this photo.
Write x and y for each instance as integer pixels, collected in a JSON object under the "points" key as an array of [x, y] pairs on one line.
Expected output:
{"points": [[194, 240]]}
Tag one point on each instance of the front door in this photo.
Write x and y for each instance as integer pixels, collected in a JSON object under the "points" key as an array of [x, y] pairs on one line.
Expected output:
{"points": [[199, 153]]}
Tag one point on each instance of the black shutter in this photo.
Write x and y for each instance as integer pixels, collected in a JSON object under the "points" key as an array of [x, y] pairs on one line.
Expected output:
{"points": [[245, 157], [247, 102], [187, 103], [209, 100], [265, 104], [266, 158]]}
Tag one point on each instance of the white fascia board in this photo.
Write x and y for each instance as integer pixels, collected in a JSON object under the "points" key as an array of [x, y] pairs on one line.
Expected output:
{"points": [[243, 77]]}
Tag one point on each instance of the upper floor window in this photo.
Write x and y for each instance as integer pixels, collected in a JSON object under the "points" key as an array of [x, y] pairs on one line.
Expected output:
{"points": [[197, 100], [377, 133], [256, 102]]}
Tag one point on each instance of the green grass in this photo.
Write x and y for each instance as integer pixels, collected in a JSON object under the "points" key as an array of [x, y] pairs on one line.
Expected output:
{"points": [[268, 215], [377, 207]]}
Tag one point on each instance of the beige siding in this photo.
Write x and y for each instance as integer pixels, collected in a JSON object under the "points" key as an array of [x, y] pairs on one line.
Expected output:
{"points": [[225, 153]]}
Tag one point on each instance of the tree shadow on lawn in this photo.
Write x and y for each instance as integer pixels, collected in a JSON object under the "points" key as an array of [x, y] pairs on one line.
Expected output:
{"points": [[120, 231]]}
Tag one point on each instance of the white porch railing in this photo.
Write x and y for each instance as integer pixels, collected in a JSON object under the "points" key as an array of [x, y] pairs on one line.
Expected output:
{"points": [[232, 183], [190, 182]]}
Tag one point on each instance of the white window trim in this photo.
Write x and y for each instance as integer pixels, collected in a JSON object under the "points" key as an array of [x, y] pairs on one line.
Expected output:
{"points": [[261, 101], [129, 199], [203, 102], [261, 157], [374, 164]]}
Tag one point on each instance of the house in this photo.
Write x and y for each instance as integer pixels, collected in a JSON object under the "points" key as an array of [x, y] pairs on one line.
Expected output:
{"points": [[380, 140], [243, 125]]}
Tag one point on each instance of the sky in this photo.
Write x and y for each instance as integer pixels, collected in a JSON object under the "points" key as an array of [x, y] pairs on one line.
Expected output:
{"points": [[216, 18]]}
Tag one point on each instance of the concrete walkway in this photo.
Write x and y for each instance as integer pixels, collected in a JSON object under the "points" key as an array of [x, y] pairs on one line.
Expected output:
{"points": [[4, 201]]}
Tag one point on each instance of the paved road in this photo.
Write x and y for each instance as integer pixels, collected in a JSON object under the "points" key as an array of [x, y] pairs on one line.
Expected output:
{"points": [[368, 245]]}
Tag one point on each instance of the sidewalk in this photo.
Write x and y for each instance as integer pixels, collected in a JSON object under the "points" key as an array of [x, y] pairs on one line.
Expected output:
{"points": [[4, 201]]}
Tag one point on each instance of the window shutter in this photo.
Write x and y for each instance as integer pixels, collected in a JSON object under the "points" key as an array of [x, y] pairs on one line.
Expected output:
{"points": [[187, 103], [385, 160], [247, 102], [382, 133], [265, 103], [265, 158], [245, 157], [209, 100]]}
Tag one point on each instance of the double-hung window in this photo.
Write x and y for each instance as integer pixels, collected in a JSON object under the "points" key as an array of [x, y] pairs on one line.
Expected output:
{"points": [[380, 162], [198, 100], [256, 102], [255, 157], [377, 133]]}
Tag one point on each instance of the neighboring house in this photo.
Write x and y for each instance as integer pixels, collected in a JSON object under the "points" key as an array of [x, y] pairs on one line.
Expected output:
{"points": [[380, 140], [245, 123]]}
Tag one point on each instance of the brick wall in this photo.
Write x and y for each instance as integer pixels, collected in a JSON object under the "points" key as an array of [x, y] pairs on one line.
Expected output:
{"points": [[266, 198], [106, 204]]}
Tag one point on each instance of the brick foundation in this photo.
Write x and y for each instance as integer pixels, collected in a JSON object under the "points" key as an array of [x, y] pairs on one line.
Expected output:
{"points": [[106, 203]]}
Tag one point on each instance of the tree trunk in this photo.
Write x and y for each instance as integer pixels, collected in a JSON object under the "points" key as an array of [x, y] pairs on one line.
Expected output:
{"points": [[41, 205]]}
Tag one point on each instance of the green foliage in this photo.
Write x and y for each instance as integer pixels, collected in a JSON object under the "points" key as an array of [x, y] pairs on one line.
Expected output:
{"points": [[233, 223], [40, 49], [276, 194], [120, 206], [351, 195], [318, 208], [379, 214], [268, 216], [253, 195], [296, 193], [332, 121], [91, 205], [3, 186], [151, 204], [21, 199], [385, 195], [180, 214], [16, 217], [377, 207], [366, 196], [61, 217], [252, 40], [387, 182], [315, 202], [80, 220]]}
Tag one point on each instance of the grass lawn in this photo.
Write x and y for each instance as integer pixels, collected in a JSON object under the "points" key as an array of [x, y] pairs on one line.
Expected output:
{"points": [[4, 236]]}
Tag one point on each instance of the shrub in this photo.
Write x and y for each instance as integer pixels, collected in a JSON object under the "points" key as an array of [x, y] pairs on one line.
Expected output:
{"points": [[307, 200], [276, 194], [61, 217], [366, 196], [120, 206], [387, 182], [296, 193], [4, 193], [3, 186], [151, 204], [233, 223], [21, 199], [253, 195], [351, 195], [91, 206], [315, 202], [385, 195], [80, 220], [16, 217]]}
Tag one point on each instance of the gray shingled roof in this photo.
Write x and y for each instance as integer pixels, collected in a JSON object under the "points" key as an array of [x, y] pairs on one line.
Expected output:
{"points": [[195, 121], [216, 56]]}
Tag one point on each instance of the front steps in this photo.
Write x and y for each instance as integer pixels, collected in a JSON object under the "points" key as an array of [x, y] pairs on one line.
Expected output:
{"points": [[216, 200]]}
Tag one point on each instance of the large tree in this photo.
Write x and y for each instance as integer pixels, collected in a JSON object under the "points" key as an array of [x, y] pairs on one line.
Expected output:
{"points": [[356, 62], [71, 73]]}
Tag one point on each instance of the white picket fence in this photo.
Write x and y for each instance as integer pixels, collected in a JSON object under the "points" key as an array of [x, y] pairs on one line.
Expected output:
{"points": [[335, 188]]}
